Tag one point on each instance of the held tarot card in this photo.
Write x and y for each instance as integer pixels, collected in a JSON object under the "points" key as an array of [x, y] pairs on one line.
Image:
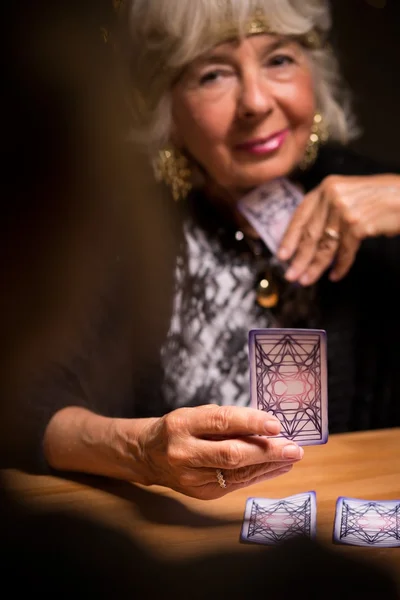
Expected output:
{"points": [[288, 378], [367, 523], [269, 210], [271, 522]]}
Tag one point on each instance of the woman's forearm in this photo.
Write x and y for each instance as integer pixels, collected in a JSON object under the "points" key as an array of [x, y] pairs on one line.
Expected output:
{"points": [[77, 439]]}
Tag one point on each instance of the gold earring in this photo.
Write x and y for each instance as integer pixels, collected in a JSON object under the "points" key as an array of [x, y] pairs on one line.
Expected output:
{"points": [[173, 168], [319, 135]]}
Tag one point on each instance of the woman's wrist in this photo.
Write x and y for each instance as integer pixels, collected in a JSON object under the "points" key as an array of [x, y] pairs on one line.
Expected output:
{"points": [[77, 439]]}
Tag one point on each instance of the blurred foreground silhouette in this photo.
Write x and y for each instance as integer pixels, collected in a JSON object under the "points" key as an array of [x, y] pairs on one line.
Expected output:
{"points": [[76, 200]]}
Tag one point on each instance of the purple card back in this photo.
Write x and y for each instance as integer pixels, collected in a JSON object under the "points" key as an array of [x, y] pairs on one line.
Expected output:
{"points": [[269, 209], [288, 378], [369, 523], [273, 521]]}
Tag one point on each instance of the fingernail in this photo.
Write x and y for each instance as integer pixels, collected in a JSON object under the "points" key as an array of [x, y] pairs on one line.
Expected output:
{"points": [[292, 452], [305, 280], [291, 274], [283, 253], [273, 426]]}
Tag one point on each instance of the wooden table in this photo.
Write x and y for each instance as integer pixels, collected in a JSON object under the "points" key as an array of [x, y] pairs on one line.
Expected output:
{"points": [[362, 465]]}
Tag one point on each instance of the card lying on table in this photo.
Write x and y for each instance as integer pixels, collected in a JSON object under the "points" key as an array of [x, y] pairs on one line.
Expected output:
{"points": [[269, 209], [288, 378], [367, 523], [271, 522]]}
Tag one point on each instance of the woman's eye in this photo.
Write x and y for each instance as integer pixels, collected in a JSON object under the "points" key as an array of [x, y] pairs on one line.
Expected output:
{"points": [[280, 60], [210, 77]]}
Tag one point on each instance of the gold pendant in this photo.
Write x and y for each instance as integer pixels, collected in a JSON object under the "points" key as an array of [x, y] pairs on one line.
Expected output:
{"points": [[267, 293]]}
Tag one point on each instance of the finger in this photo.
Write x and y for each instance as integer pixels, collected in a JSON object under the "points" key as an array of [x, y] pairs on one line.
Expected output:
{"points": [[375, 220], [326, 250], [243, 452], [212, 491], [294, 231], [309, 243], [360, 198], [233, 476], [232, 421], [265, 477], [259, 479], [371, 211]]}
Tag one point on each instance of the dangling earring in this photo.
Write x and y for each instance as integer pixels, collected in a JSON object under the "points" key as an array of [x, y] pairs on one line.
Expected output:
{"points": [[319, 135], [173, 168]]}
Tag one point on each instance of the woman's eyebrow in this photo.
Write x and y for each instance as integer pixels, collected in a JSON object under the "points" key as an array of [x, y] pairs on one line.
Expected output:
{"points": [[218, 56], [224, 55], [281, 42]]}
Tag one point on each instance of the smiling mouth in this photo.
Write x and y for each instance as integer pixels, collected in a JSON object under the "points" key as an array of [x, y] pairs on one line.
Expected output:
{"points": [[264, 145]]}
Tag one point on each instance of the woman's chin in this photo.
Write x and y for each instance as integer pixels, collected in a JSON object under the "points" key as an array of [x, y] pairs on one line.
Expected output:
{"points": [[256, 175], [256, 180]]}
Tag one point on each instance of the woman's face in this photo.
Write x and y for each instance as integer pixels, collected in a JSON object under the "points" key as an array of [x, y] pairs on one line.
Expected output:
{"points": [[244, 111]]}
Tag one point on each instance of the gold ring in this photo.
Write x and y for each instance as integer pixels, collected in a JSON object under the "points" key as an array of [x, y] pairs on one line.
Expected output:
{"points": [[332, 234], [220, 479]]}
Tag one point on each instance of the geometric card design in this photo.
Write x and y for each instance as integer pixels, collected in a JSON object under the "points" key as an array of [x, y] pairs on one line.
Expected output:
{"points": [[272, 522], [367, 522], [269, 210], [288, 378]]}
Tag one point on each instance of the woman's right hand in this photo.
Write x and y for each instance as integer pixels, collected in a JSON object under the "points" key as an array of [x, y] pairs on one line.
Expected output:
{"points": [[184, 449]]}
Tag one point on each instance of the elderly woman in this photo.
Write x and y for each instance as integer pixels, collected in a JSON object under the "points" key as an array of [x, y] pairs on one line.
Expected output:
{"points": [[229, 96], [235, 94]]}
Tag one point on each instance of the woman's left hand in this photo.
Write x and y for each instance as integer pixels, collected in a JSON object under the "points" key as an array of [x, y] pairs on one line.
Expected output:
{"points": [[330, 223]]}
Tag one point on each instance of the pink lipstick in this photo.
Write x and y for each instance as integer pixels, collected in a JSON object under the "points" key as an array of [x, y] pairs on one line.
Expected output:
{"points": [[264, 145]]}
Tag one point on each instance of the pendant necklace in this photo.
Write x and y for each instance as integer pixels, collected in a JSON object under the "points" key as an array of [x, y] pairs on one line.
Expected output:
{"points": [[269, 271]]}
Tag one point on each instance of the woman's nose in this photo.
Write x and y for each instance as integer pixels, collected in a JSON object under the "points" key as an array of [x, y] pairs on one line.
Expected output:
{"points": [[255, 98]]}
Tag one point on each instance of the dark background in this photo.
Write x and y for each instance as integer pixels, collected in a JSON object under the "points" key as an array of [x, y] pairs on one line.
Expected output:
{"points": [[59, 554], [367, 40]]}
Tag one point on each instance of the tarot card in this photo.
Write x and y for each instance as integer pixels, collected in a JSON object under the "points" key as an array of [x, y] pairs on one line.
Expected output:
{"points": [[367, 523], [288, 379], [269, 210], [271, 522]]}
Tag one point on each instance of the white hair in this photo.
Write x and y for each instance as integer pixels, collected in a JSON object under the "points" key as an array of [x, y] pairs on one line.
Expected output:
{"points": [[164, 36]]}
